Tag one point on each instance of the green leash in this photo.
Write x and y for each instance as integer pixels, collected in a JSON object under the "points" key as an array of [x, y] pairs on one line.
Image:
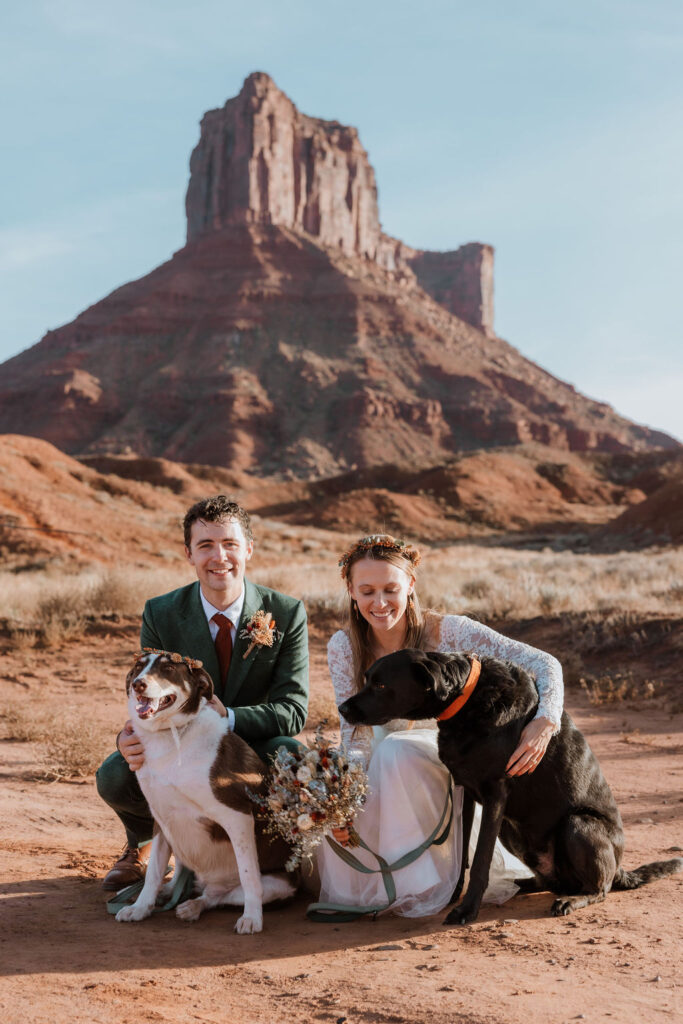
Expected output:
{"points": [[183, 887], [340, 912]]}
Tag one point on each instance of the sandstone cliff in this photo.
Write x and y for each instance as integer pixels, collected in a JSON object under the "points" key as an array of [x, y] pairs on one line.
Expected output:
{"points": [[291, 336], [260, 161]]}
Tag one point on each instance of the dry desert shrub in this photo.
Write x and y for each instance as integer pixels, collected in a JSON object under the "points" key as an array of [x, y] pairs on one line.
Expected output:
{"points": [[22, 725], [58, 606], [21, 638], [60, 616], [614, 689], [70, 748], [486, 582], [317, 584], [499, 583], [74, 750], [322, 708]]}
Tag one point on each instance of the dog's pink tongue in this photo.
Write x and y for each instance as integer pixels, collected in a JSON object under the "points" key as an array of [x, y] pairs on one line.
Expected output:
{"points": [[144, 707]]}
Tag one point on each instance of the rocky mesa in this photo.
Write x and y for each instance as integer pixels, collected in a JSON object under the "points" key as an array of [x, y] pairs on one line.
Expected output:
{"points": [[290, 335]]}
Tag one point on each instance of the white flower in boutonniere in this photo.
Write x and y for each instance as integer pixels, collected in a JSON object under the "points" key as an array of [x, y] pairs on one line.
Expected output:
{"points": [[261, 631]]}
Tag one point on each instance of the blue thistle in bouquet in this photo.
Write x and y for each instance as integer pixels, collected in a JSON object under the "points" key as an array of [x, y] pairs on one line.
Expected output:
{"points": [[309, 792]]}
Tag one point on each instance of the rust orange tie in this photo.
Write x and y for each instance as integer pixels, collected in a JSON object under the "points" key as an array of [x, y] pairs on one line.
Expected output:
{"points": [[223, 643]]}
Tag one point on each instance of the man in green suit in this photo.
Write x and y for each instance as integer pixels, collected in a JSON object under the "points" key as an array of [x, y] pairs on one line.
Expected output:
{"points": [[262, 690]]}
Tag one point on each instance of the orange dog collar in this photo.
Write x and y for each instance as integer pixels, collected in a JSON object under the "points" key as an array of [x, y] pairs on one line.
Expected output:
{"points": [[467, 691]]}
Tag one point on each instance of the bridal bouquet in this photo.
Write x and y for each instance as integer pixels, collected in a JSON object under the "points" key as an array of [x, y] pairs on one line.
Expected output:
{"points": [[309, 793]]}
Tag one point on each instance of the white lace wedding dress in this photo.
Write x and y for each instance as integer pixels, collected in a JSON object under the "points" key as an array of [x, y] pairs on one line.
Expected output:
{"points": [[408, 787]]}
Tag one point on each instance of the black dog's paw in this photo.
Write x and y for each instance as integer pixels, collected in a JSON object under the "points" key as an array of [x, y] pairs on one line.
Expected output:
{"points": [[561, 907], [462, 915]]}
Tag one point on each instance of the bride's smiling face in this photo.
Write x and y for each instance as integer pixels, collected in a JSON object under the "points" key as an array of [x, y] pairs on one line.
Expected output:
{"points": [[381, 591]]}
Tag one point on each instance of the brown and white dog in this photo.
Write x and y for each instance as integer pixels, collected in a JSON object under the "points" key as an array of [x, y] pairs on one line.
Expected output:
{"points": [[195, 778]]}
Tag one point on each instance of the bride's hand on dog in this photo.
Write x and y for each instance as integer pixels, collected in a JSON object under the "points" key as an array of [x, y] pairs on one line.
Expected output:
{"points": [[532, 746], [130, 747]]}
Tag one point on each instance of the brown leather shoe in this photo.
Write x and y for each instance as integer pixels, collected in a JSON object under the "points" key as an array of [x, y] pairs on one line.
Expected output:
{"points": [[129, 868]]}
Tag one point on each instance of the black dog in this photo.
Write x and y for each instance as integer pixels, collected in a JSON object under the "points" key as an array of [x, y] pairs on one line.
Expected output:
{"points": [[561, 820]]}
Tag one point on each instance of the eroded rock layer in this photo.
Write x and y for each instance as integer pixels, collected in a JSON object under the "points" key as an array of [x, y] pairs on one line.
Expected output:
{"points": [[290, 335]]}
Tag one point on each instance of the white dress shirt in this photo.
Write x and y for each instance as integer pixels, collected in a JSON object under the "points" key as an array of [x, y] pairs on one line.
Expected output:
{"points": [[233, 612]]}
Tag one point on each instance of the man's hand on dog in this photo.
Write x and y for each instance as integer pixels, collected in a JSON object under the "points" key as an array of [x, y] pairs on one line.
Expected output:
{"points": [[532, 746], [216, 704], [132, 749]]}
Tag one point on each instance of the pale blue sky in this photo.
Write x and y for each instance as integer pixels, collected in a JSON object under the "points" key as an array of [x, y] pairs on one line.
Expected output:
{"points": [[551, 131]]}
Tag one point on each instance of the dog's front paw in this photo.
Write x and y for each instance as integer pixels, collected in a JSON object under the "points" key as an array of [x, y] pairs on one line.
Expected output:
{"points": [[135, 912], [249, 925], [190, 910], [462, 915], [563, 906]]}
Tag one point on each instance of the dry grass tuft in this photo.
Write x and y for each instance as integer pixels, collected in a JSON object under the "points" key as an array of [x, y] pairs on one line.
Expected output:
{"points": [[53, 607], [500, 583], [60, 617], [614, 689], [22, 639], [22, 725], [322, 708], [488, 583], [70, 749], [75, 750]]}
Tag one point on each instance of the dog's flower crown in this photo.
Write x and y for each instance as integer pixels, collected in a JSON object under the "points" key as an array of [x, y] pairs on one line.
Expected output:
{"points": [[378, 540], [173, 655]]}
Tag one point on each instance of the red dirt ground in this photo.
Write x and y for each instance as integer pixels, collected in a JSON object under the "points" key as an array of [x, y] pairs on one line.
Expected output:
{"points": [[64, 959]]}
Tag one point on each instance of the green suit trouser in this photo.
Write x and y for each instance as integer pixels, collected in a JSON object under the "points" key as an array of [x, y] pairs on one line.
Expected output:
{"points": [[119, 788]]}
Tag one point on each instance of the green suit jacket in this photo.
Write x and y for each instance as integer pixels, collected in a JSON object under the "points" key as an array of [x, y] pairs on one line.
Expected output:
{"points": [[267, 690]]}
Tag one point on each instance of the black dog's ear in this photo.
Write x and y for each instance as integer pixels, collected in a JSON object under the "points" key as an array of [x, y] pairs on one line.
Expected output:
{"points": [[456, 669], [445, 674], [426, 667]]}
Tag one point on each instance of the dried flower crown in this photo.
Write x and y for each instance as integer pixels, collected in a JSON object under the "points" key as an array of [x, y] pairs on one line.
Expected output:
{"points": [[172, 655], [378, 540]]}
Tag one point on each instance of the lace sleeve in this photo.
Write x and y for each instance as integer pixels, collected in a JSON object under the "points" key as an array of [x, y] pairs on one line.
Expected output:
{"points": [[357, 739], [458, 633]]}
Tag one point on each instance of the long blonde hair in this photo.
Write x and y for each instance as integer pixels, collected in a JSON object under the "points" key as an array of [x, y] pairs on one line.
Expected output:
{"points": [[395, 553]]}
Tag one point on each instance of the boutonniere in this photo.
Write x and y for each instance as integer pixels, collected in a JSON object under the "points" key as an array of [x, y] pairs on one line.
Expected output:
{"points": [[261, 631]]}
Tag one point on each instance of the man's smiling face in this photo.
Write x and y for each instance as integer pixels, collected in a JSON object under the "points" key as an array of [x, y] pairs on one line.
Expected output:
{"points": [[219, 553]]}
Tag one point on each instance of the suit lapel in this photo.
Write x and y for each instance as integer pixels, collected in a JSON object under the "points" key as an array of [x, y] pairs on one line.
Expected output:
{"points": [[239, 665], [195, 629]]}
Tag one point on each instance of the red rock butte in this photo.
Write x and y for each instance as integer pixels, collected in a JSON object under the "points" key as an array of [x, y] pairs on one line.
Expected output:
{"points": [[291, 335], [260, 161]]}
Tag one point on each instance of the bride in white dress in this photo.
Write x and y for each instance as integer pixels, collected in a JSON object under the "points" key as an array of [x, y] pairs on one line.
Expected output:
{"points": [[408, 784]]}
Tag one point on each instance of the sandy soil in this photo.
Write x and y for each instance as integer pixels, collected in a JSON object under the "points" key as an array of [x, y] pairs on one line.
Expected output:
{"points": [[63, 958]]}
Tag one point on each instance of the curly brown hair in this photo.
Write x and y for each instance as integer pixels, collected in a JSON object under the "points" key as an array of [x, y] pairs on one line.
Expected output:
{"points": [[216, 510]]}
